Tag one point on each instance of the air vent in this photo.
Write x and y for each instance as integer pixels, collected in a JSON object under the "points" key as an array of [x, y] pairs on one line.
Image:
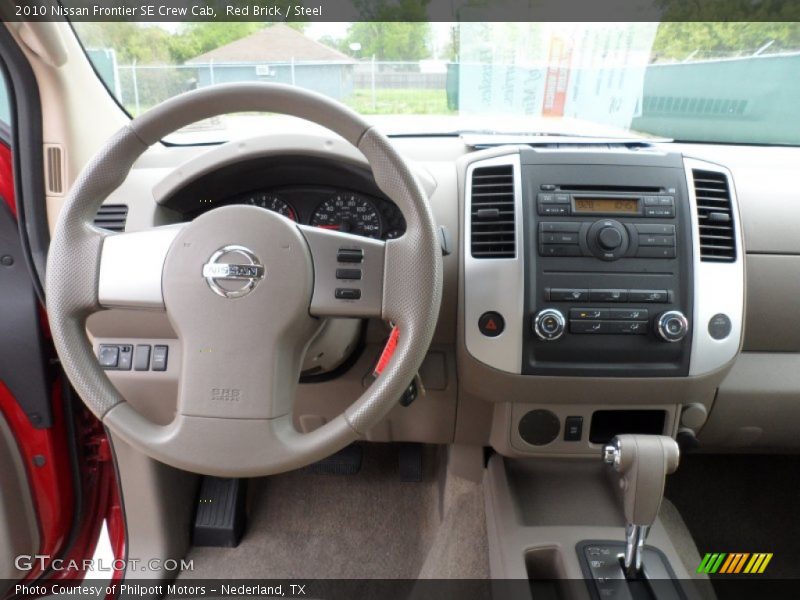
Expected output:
{"points": [[54, 167], [715, 216], [492, 218], [112, 217]]}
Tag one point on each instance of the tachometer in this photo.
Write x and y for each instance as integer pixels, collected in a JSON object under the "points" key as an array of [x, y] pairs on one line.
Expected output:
{"points": [[349, 213], [270, 201]]}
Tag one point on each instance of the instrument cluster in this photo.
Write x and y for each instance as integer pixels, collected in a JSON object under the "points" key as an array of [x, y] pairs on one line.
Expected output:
{"points": [[330, 208]]}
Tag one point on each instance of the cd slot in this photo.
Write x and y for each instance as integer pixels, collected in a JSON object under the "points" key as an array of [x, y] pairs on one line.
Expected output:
{"points": [[624, 189]]}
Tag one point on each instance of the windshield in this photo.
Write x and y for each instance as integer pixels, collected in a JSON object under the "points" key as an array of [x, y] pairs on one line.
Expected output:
{"points": [[689, 81]]}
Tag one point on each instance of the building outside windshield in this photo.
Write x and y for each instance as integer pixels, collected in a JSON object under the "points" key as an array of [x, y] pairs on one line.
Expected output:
{"points": [[688, 81]]}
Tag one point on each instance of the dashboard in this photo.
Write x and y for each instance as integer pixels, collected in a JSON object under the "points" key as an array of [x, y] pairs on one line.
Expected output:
{"points": [[588, 289]]}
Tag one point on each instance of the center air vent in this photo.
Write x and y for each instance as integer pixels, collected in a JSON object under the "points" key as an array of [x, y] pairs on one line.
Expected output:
{"points": [[492, 217], [715, 216], [112, 217]]}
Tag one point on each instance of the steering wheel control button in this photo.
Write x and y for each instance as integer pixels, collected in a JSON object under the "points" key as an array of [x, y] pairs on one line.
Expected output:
{"points": [[350, 255], [348, 293], [354, 274], [549, 324], [160, 354], [233, 271], [491, 324], [573, 429], [108, 356], [672, 326], [719, 326], [539, 427], [141, 357]]}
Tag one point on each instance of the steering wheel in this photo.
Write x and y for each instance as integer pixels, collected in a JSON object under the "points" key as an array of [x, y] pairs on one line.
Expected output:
{"points": [[245, 290]]}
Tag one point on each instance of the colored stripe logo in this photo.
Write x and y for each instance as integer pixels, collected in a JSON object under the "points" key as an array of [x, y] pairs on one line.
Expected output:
{"points": [[733, 563]]}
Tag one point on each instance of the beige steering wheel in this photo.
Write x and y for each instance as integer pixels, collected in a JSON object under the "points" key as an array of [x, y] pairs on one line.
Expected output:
{"points": [[245, 290]]}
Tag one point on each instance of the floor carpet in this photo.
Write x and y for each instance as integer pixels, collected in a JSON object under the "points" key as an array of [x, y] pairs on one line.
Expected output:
{"points": [[369, 525]]}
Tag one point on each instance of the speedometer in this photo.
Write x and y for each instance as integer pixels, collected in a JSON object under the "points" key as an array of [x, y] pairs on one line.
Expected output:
{"points": [[349, 213], [270, 201]]}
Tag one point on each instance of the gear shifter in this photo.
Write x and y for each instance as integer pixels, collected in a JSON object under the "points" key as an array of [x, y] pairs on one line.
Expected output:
{"points": [[643, 463]]}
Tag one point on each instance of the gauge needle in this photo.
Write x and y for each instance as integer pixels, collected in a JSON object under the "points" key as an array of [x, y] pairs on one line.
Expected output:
{"points": [[329, 226]]}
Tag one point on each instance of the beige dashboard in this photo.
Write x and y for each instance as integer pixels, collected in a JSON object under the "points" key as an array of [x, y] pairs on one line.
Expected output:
{"points": [[749, 402]]}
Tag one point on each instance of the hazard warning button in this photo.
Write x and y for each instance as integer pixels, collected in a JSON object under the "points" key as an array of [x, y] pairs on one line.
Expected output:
{"points": [[491, 324]]}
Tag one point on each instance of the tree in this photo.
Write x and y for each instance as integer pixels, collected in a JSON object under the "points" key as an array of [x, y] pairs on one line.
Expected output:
{"points": [[390, 30], [197, 38], [678, 40], [389, 40], [131, 42]]}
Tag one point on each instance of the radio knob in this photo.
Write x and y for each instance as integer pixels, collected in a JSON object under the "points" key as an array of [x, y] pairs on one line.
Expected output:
{"points": [[672, 326], [549, 324], [609, 238]]}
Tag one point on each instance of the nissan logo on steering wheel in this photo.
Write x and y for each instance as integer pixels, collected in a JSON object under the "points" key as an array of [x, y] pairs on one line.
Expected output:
{"points": [[233, 271]]}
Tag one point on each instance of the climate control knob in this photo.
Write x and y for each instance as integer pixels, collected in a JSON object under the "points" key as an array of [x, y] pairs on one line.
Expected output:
{"points": [[549, 324], [672, 326]]}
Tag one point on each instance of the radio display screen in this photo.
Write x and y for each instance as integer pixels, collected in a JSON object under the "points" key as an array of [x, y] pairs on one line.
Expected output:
{"points": [[606, 205]]}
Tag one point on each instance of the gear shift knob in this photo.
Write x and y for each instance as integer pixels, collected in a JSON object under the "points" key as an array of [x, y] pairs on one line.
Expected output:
{"points": [[643, 463]]}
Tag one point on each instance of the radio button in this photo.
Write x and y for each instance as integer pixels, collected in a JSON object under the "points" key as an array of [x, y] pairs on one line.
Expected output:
{"points": [[666, 201], [608, 295], [549, 210], [561, 199], [660, 296], [551, 226], [553, 250], [547, 187], [628, 314], [609, 238], [655, 252], [650, 200], [659, 211], [589, 314], [568, 295], [564, 237], [655, 228], [656, 240]]}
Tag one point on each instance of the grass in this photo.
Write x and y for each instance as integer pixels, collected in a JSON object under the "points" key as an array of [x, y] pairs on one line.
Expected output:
{"points": [[399, 102], [387, 102]]}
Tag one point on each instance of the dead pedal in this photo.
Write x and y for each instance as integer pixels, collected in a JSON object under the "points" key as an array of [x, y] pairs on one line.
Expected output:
{"points": [[220, 516]]}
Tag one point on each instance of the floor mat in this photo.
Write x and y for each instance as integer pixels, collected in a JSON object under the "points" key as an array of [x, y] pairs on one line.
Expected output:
{"points": [[369, 525], [733, 503]]}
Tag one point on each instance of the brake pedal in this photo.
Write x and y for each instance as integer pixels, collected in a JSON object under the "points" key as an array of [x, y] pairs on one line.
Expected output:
{"points": [[220, 517]]}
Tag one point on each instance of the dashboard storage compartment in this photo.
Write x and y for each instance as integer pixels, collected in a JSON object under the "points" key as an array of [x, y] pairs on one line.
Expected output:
{"points": [[608, 423]]}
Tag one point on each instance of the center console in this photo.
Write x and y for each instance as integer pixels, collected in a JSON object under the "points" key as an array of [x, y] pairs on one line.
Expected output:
{"points": [[614, 263], [611, 282]]}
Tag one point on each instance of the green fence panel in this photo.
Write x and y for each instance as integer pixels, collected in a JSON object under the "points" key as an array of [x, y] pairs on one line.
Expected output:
{"points": [[742, 100]]}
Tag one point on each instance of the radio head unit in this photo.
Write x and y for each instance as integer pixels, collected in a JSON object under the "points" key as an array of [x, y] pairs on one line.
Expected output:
{"points": [[609, 270]]}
